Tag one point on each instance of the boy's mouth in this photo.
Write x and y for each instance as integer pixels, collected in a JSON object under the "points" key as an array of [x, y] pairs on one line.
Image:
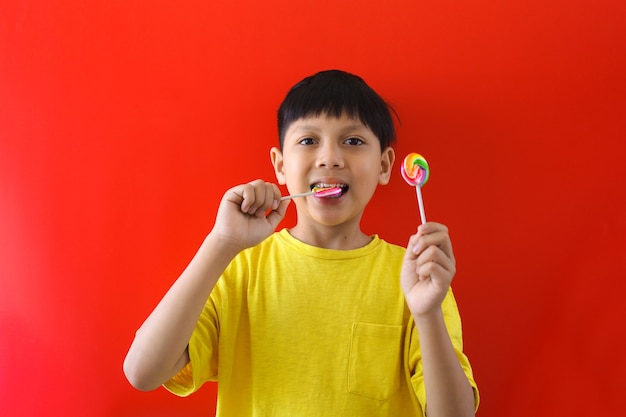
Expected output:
{"points": [[344, 187]]}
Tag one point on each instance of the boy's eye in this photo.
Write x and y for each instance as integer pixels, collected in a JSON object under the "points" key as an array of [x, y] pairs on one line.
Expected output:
{"points": [[354, 141], [307, 141]]}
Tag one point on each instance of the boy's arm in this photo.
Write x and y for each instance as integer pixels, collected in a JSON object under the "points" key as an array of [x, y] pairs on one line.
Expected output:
{"points": [[448, 392], [427, 271], [159, 349]]}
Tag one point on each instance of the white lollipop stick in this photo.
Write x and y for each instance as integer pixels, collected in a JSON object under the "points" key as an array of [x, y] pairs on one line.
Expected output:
{"points": [[420, 203], [289, 197]]}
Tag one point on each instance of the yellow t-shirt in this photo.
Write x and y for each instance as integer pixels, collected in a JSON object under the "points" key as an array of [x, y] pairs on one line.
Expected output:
{"points": [[296, 330]]}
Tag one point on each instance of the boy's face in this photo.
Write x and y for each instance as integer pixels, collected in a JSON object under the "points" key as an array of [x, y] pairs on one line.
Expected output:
{"points": [[329, 151]]}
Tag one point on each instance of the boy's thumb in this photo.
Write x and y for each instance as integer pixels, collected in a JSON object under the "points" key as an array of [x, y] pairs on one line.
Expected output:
{"points": [[275, 216]]}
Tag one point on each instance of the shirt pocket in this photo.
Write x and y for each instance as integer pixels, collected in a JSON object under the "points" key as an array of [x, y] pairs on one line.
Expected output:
{"points": [[375, 360]]}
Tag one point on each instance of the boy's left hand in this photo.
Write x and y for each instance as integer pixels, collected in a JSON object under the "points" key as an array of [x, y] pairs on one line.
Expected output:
{"points": [[427, 269]]}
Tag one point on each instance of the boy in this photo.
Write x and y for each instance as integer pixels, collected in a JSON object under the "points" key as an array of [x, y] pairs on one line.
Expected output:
{"points": [[321, 319]]}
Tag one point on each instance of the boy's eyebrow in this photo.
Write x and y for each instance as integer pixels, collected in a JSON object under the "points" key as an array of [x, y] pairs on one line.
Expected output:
{"points": [[316, 128], [306, 127]]}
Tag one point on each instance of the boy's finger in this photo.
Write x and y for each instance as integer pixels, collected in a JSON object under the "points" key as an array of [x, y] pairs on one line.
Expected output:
{"points": [[440, 239], [412, 248], [265, 198], [269, 196], [432, 227], [248, 197], [276, 197], [434, 255]]}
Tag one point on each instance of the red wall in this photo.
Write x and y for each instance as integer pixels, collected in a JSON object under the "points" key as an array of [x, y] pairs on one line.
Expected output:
{"points": [[121, 124]]}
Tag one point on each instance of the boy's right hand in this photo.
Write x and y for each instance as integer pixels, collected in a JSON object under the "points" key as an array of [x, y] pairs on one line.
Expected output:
{"points": [[160, 348], [241, 218]]}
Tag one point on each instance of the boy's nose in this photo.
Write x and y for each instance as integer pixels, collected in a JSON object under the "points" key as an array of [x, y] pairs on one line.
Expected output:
{"points": [[330, 156]]}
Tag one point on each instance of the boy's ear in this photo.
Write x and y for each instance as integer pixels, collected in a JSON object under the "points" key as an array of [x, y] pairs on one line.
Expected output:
{"points": [[277, 161], [386, 164]]}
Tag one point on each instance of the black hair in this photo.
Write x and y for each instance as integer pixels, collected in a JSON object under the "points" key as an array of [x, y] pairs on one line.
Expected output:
{"points": [[335, 93]]}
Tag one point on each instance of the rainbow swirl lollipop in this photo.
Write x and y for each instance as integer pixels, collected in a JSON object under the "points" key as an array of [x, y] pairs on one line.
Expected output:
{"points": [[416, 172], [321, 192]]}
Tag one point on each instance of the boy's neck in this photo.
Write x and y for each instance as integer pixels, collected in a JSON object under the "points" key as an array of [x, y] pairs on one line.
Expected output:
{"points": [[331, 237]]}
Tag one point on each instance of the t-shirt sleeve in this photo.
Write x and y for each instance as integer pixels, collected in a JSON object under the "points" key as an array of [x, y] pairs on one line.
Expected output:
{"points": [[203, 348], [453, 324]]}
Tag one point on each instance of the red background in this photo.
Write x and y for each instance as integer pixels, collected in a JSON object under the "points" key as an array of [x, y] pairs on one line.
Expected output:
{"points": [[121, 124]]}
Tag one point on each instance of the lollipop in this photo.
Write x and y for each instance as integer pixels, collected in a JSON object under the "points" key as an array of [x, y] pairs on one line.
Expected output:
{"points": [[326, 192], [415, 172], [322, 192]]}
